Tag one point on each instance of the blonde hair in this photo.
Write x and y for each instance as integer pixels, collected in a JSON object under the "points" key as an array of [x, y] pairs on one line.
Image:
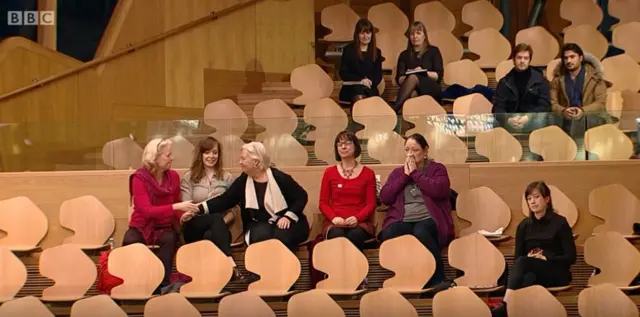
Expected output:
{"points": [[152, 151], [419, 26], [258, 152]]}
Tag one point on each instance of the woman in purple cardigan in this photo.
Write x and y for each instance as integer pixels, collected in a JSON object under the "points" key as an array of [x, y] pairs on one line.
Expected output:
{"points": [[418, 198]]}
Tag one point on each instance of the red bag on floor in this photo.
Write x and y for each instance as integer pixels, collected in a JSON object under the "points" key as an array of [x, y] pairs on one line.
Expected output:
{"points": [[106, 281]]}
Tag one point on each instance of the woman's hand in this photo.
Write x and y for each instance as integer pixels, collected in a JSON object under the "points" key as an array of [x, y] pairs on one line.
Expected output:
{"points": [[409, 165], [367, 82], [283, 223], [338, 221], [186, 206], [351, 222], [186, 217]]}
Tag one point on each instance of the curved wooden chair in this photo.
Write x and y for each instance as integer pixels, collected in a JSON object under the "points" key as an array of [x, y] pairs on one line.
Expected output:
{"points": [[313, 303], [391, 45], [386, 302], [72, 271], [553, 144], [122, 154], [329, 120], [280, 123], [551, 68], [25, 224], [341, 20], [346, 267], [481, 14], [543, 43], [472, 104], [588, 37], [196, 260], [617, 206], [485, 210], [630, 110], [230, 122], [605, 300], [96, 306], [450, 47], [412, 263], [503, 68], [617, 259], [625, 10], [498, 145], [465, 73], [312, 82], [608, 142], [277, 267], [285, 150], [623, 72], [491, 45], [435, 16], [388, 18], [25, 306], [580, 12], [13, 277], [244, 304], [90, 220], [481, 261], [421, 111], [625, 36], [562, 204], [140, 269], [459, 301], [182, 152], [172, 304], [379, 121], [534, 301]]}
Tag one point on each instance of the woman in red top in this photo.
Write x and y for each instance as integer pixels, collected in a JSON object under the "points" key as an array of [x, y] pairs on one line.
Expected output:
{"points": [[348, 194], [157, 210]]}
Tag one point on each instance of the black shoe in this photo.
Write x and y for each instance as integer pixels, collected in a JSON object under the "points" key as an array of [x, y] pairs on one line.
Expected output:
{"points": [[237, 275], [443, 286], [500, 311]]}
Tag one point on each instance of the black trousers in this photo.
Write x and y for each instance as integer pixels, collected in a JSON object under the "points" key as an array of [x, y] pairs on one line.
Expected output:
{"points": [[297, 233], [426, 231], [528, 271], [168, 244], [358, 236], [210, 227]]}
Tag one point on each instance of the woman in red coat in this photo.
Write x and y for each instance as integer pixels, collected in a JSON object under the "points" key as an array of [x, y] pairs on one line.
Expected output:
{"points": [[348, 194]]}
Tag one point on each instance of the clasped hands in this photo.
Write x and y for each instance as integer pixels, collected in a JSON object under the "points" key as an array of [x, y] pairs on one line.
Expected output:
{"points": [[518, 122], [366, 82], [410, 165], [537, 253], [573, 113], [350, 222]]}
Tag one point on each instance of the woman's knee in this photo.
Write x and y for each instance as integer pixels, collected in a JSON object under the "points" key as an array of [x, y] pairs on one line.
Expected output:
{"points": [[168, 238], [335, 233], [260, 233], [132, 236]]}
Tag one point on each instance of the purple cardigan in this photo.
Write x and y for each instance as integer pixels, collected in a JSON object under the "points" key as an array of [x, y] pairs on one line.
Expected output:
{"points": [[434, 184]]}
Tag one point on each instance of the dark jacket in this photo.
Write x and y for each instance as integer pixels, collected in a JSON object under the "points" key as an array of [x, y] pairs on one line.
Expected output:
{"points": [[535, 99], [295, 196], [552, 234], [354, 69]]}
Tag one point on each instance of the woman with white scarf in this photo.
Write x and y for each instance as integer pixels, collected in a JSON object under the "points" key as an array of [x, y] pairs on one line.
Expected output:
{"points": [[271, 202]]}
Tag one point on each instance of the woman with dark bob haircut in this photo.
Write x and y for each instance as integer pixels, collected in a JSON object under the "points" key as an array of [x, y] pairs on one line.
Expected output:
{"points": [[348, 194]]}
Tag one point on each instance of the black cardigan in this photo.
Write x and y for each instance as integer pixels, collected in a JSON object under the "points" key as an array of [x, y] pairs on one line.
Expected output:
{"points": [[552, 234], [431, 60], [354, 69], [295, 196]]}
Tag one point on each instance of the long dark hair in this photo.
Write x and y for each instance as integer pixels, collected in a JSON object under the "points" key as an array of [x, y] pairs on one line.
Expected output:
{"points": [[544, 190], [197, 165], [364, 25]]}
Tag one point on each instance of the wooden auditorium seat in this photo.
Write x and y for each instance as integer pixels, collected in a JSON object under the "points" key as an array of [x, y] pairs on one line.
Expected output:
{"points": [[341, 20], [435, 16], [534, 301], [623, 72], [391, 45], [481, 261], [13, 277], [589, 38], [503, 68], [481, 14], [329, 120], [609, 143], [386, 302], [346, 267], [551, 67], [182, 151], [172, 304], [140, 269], [244, 304], [24, 223], [280, 123], [491, 45], [459, 301], [498, 145], [379, 121], [450, 47], [72, 271], [277, 267], [625, 37], [392, 24], [605, 300], [630, 111], [122, 154], [25, 306], [624, 10], [580, 12], [553, 144], [465, 73], [615, 197], [197, 260], [485, 210], [312, 82], [313, 303], [411, 262], [96, 306], [544, 45], [90, 220], [617, 259], [230, 123]]}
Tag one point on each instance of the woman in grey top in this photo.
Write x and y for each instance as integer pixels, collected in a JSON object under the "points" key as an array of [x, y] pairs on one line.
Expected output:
{"points": [[204, 180]]}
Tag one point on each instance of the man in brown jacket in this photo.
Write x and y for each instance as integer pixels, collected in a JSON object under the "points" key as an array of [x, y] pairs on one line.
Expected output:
{"points": [[579, 91]]}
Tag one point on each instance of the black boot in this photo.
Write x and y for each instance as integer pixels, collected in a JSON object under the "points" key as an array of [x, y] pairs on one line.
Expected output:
{"points": [[500, 311]]}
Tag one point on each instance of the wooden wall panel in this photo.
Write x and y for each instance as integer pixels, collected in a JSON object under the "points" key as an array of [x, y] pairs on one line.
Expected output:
{"points": [[228, 84]]}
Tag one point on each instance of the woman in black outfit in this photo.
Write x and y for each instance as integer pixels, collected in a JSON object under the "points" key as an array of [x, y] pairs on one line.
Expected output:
{"points": [[420, 55], [545, 249], [361, 62]]}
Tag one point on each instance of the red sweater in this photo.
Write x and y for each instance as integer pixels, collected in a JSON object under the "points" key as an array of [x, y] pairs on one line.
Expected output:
{"points": [[340, 197]]}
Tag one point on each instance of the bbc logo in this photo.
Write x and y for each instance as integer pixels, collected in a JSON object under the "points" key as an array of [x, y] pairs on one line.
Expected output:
{"points": [[31, 17]]}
